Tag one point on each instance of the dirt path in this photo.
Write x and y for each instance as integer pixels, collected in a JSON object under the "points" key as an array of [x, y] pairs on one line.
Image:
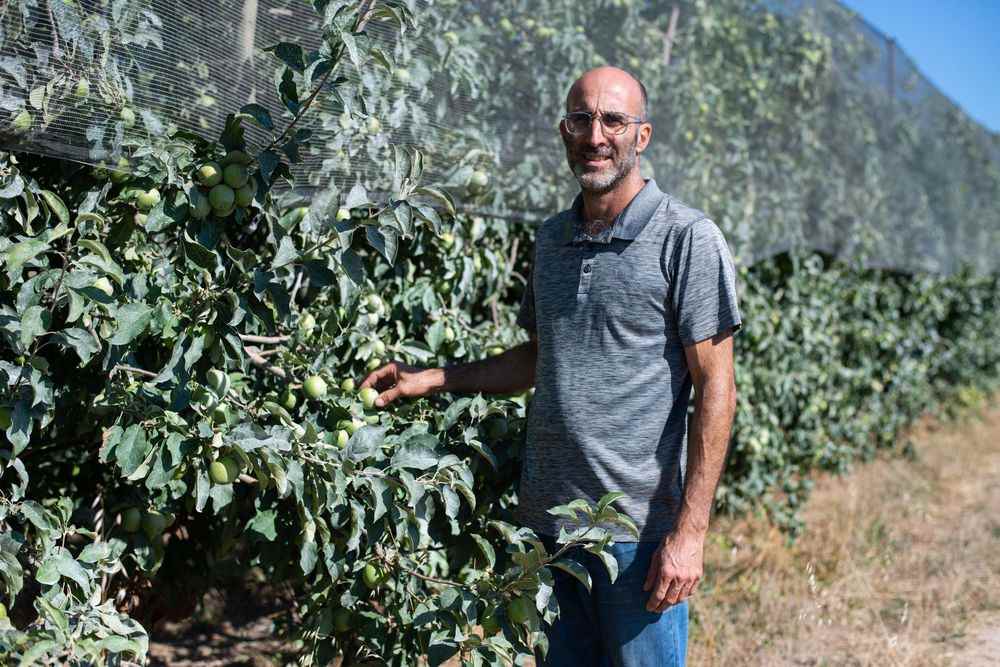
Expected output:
{"points": [[900, 565]]}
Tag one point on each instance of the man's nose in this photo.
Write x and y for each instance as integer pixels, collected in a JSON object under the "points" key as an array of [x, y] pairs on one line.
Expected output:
{"points": [[595, 136]]}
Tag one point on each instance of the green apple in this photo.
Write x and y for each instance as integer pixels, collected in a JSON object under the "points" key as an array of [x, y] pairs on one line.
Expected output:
{"points": [[224, 470], [378, 347], [347, 385], [244, 195], [140, 219], [343, 214], [235, 175], [220, 415], [489, 623], [131, 520], [104, 285], [342, 437], [447, 239], [128, 117], [373, 576], [343, 619], [314, 387], [216, 379], [368, 396], [22, 121], [154, 523], [288, 399], [236, 157], [403, 74], [222, 198], [209, 174], [519, 610], [495, 350], [479, 180], [147, 200], [373, 363], [82, 89], [200, 207], [307, 322]]}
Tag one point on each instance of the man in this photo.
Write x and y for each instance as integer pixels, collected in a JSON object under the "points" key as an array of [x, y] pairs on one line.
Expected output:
{"points": [[631, 302]]}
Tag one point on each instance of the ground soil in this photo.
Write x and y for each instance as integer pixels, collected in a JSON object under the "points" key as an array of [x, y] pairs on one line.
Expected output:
{"points": [[899, 566]]}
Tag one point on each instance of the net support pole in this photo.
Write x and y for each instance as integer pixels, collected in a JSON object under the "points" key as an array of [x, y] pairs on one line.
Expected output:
{"points": [[668, 41]]}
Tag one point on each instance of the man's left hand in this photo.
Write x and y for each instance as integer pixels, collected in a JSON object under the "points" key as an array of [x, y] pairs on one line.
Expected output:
{"points": [[675, 570]]}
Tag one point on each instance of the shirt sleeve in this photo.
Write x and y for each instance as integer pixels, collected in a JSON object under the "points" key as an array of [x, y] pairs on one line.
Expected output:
{"points": [[526, 313], [704, 284]]}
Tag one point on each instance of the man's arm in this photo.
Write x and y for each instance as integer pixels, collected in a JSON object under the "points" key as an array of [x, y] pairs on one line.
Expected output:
{"points": [[711, 365], [678, 566], [508, 373]]}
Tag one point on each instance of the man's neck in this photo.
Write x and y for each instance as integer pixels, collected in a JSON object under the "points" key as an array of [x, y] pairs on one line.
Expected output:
{"points": [[605, 206]]}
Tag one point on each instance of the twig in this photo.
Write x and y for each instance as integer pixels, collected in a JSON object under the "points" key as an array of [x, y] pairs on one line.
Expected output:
{"points": [[137, 371], [261, 362], [365, 14], [264, 340]]}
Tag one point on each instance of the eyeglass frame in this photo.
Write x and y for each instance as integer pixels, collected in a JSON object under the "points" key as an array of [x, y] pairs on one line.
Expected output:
{"points": [[600, 117]]}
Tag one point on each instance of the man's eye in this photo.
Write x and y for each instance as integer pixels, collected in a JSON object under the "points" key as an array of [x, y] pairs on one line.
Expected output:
{"points": [[612, 120]]}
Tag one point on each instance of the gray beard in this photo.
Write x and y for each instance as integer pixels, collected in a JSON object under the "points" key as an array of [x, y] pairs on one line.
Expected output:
{"points": [[606, 180]]}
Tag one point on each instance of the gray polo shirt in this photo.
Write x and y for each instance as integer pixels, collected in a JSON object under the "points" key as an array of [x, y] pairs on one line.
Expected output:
{"points": [[612, 314]]}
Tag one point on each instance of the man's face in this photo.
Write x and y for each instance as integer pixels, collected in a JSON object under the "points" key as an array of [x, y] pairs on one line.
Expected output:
{"points": [[599, 160]]}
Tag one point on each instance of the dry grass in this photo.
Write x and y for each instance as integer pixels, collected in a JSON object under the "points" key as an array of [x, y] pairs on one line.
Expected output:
{"points": [[899, 564]]}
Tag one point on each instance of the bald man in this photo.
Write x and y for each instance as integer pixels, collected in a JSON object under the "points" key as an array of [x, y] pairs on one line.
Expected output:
{"points": [[631, 304]]}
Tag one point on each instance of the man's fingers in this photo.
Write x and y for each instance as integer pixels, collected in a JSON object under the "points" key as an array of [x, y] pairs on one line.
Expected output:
{"points": [[376, 375], [388, 396], [659, 593], [669, 594], [653, 573]]}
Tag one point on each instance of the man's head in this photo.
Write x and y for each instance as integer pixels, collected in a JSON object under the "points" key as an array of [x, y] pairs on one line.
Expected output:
{"points": [[599, 158]]}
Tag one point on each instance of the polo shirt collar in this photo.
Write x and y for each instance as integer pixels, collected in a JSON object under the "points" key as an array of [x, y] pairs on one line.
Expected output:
{"points": [[627, 226]]}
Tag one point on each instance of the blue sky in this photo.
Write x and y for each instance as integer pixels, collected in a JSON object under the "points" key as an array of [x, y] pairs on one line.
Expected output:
{"points": [[955, 43]]}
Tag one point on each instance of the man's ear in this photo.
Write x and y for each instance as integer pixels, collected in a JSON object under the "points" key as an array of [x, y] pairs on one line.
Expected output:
{"points": [[645, 134]]}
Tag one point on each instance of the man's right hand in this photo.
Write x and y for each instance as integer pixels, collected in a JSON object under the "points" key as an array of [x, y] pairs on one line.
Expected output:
{"points": [[397, 379]]}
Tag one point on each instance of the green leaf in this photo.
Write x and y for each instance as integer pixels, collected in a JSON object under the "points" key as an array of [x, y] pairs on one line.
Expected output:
{"points": [[56, 205], [19, 254], [574, 568], [418, 453], [440, 196], [365, 442], [132, 320], [291, 54], [259, 114], [48, 572], [263, 525], [607, 499], [132, 449], [486, 548], [610, 562], [34, 322], [82, 342]]}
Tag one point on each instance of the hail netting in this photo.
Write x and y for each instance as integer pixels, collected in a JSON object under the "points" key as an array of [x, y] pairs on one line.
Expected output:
{"points": [[792, 123]]}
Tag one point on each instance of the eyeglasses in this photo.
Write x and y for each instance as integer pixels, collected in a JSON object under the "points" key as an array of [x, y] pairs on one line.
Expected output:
{"points": [[612, 122]]}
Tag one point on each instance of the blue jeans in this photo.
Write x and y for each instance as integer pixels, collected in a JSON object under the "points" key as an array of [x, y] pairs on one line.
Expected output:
{"points": [[610, 627]]}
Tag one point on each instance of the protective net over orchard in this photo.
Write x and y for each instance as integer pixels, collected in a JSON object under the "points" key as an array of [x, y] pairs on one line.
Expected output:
{"points": [[793, 124]]}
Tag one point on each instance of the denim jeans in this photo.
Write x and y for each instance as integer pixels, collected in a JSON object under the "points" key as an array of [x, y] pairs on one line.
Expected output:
{"points": [[610, 627]]}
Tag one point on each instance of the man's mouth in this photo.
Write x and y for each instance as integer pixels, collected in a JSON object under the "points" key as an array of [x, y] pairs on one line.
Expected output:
{"points": [[595, 159]]}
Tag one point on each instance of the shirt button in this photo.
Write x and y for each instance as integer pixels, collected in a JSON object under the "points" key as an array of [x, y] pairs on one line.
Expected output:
{"points": [[586, 269]]}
